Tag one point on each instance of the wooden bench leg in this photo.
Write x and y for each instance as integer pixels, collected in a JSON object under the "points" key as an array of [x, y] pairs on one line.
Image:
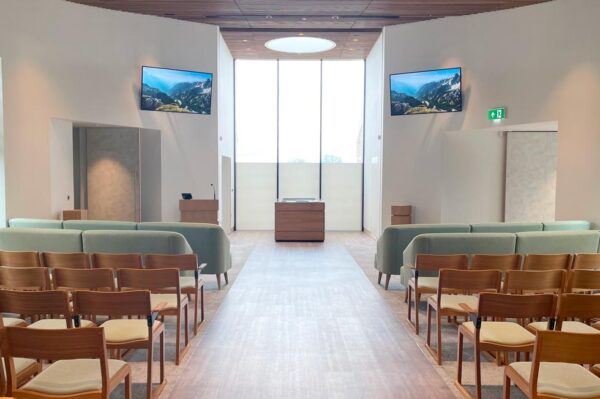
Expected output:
{"points": [[219, 280], [387, 281], [379, 277], [226, 278]]}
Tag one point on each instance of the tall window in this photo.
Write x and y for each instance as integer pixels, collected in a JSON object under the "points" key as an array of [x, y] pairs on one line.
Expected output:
{"points": [[299, 134]]}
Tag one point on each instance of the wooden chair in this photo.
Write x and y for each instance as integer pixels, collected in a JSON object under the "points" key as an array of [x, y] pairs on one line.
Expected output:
{"points": [[84, 279], [586, 261], [534, 281], [547, 262], [127, 333], [190, 285], [430, 264], [467, 282], [496, 262], [556, 370], [501, 336], [70, 260], [80, 367], [37, 305], [20, 258], [573, 306], [583, 280], [116, 261], [24, 278], [173, 304]]}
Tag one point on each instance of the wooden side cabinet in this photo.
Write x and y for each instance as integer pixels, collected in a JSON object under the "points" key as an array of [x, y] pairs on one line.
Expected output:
{"points": [[299, 221], [401, 214], [74, 214]]}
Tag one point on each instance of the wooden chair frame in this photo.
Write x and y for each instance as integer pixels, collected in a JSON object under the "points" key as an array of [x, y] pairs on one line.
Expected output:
{"points": [[122, 304], [53, 345], [83, 279], [553, 346], [531, 281], [186, 262], [586, 261], [116, 261], [431, 264], [66, 260], [25, 278], [504, 262], [577, 306], [500, 306], [547, 261], [20, 258], [157, 280], [583, 280], [452, 280], [37, 304]]}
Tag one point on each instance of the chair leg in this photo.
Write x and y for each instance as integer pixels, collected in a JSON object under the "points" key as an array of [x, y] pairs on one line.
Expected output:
{"points": [[379, 275], [186, 320], [387, 281], [162, 357], [506, 388], [417, 303], [477, 372], [178, 338], [219, 281], [428, 340], [196, 313], [149, 376], [438, 330], [459, 358], [201, 304], [128, 386], [409, 295], [226, 278]]}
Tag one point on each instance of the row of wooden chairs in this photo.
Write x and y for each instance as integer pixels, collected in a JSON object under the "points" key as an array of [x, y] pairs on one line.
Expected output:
{"points": [[57, 275]]}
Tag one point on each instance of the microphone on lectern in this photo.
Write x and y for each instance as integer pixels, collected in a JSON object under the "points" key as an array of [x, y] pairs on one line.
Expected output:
{"points": [[214, 192]]}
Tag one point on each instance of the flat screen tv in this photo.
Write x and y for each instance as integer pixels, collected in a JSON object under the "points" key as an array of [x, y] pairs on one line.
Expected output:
{"points": [[173, 90], [426, 92]]}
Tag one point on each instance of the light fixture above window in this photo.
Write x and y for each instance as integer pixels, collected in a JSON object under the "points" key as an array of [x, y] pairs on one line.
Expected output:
{"points": [[300, 45]]}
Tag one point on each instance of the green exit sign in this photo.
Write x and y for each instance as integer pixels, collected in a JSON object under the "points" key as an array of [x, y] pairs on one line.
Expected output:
{"points": [[496, 114]]}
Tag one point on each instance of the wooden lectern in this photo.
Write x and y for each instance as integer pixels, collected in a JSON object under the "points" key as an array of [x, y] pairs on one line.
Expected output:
{"points": [[199, 211]]}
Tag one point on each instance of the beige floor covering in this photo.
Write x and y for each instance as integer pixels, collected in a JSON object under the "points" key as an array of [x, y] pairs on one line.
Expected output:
{"points": [[362, 247]]}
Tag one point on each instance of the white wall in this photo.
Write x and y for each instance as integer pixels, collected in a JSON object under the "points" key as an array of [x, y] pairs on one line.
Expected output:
{"points": [[226, 128], [374, 86], [79, 63], [61, 167], [2, 174], [542, 62]]}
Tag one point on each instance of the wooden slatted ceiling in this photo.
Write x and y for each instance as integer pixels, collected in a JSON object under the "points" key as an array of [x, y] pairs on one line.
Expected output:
{"points": [[353, 24]]}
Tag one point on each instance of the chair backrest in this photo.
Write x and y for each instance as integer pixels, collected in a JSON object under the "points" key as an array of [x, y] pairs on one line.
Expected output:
{"points": [[20, 258], [582, 280], [113, 304], [36, 303], [61, 344], [148, 279], [83, 279], [563, 347], [116, 261], [24, 278], [71, 260], [586, 261], [434, 263], [530, 281], [469, 280], [496, 262], [578, 306], [547, 261], [181, 262], [506, 306]]}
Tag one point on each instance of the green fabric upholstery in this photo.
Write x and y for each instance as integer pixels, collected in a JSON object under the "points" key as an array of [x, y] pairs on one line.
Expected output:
{"points": [[145, 242], [37, 239], [558, 242], [36, 223], [567, 225], [208, 241], [84, 225], [394, 240], [505, 227]]}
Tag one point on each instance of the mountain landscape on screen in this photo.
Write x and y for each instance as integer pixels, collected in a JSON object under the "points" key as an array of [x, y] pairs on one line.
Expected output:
{"points": [[176, 91], [426, 92]]}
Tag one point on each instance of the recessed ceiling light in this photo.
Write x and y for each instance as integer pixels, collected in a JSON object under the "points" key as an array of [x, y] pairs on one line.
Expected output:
{"points": [[335, 17], [245, 40], [300, 45], [354, 40], [268, 17], [303, 18], [300, 34]]}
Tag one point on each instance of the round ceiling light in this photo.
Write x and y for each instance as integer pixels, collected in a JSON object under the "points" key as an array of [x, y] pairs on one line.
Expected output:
{"points": [[300, 45]]}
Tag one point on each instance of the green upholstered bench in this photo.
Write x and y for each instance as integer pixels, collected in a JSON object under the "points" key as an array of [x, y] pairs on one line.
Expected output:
{"points": [[558, 242], [85, 225], [567, 225], [208, 241], [144, 242], [36, 223], [38, 239]]}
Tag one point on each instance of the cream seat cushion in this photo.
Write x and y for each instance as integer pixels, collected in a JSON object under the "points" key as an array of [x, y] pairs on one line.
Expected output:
{"points": [[563, 380], [126, 330], [453, 302], [20, 364], [170, 300], [12, 321], [429, 283], [502, 332], [567, 326], [56, 324], [66, 377]]}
